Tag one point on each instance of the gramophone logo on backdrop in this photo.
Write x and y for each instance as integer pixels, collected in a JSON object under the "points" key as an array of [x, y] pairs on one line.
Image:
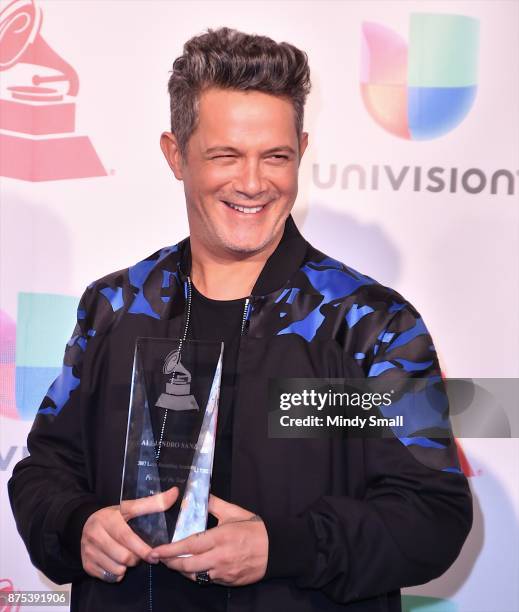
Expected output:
{"points": [[37, 104], [6, 591], [425, 89]]}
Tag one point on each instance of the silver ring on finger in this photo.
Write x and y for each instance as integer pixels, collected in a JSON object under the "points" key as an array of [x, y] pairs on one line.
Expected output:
{"points": [[109, 576], [203, 578]]}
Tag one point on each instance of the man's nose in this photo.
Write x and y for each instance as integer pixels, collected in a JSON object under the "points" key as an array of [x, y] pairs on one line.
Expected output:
{"points": [[250, 181]]}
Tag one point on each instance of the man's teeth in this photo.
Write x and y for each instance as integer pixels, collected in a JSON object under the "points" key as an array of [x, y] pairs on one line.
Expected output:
{"points": [[246, 210]]}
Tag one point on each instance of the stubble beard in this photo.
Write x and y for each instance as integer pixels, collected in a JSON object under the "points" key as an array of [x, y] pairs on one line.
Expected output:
{"points": [[237, 249], [219, 240]]}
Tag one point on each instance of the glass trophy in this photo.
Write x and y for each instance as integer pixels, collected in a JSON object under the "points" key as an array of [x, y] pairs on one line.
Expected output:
{"points": [[171, 433]]}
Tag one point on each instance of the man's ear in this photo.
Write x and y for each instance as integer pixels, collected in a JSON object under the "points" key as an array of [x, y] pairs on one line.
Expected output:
{"points": [[303, 143], [171, 150]]}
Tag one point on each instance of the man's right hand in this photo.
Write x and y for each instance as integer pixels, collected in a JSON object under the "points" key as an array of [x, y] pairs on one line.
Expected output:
{"points": [[108, 544]]}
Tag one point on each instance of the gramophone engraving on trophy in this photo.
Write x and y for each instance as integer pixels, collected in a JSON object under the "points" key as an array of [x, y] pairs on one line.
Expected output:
{"points": [[37, 104], [178, 390]]}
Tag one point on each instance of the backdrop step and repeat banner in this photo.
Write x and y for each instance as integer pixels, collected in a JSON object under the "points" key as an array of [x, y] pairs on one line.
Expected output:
{"points": [[411, 177]]}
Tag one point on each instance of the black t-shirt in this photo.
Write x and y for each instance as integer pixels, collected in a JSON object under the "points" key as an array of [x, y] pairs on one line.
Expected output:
{"points": [[213, 320]]}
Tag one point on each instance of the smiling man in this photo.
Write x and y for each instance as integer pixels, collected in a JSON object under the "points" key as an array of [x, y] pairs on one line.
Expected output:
{"points": [[296, 525], [240, 172]]}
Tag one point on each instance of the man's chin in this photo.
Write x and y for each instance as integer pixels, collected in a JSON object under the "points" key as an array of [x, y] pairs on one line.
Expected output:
{"points": [[240, 249], [249, 243], [247, 248]]}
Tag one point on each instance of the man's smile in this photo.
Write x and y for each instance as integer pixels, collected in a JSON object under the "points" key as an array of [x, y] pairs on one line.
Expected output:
{"points": [[247, 210]]}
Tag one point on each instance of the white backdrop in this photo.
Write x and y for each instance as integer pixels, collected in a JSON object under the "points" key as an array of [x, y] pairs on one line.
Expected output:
{"points": [[453, 255]]}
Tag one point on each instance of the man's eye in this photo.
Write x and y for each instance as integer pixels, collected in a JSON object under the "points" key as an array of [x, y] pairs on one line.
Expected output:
{"points": [[279, 156], [223, 156]]}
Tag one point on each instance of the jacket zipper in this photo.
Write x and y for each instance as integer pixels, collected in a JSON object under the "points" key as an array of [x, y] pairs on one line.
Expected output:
{"points": [[245, 317]]}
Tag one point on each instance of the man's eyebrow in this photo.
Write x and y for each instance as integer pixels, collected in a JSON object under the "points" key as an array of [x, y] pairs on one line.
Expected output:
{"points": [[281, 149], [223, 149]]}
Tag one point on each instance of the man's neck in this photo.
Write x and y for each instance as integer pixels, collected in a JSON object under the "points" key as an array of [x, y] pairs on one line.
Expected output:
{"points": [[226, 277]]}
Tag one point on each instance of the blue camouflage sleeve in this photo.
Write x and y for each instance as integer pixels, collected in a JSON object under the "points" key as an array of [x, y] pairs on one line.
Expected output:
{"points": [[404, 357]]}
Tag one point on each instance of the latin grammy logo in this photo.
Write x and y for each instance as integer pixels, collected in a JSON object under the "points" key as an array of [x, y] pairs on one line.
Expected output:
{"points": [[178, 389], [37, 118], [7, 590]]}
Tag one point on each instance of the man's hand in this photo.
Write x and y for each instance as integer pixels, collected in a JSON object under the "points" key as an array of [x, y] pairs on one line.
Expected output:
{"points": [[108, 544], [234, 553]]}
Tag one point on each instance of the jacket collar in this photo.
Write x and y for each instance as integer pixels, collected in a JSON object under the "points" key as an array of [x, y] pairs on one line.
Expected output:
{"points": [[279, 267]]}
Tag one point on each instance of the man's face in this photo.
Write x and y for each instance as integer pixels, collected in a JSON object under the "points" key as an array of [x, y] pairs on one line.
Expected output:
{"points": [[240, 171]]}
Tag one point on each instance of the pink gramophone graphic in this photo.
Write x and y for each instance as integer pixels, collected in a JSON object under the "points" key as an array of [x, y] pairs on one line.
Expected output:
{"points": [[6, 590], [37, 116]]}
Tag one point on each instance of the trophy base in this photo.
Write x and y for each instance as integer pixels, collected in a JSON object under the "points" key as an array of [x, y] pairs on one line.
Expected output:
{"points": [[48, 159]]}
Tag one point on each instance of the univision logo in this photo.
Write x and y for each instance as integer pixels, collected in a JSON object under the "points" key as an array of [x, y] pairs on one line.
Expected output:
{"points": [[425, 89], [415, 178]]}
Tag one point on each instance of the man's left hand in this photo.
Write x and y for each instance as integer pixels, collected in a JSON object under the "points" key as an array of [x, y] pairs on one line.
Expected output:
{"points": [[234, 553]]}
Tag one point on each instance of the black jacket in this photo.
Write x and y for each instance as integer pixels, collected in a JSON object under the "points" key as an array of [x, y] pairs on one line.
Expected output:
{"points": [[362, 518]]}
